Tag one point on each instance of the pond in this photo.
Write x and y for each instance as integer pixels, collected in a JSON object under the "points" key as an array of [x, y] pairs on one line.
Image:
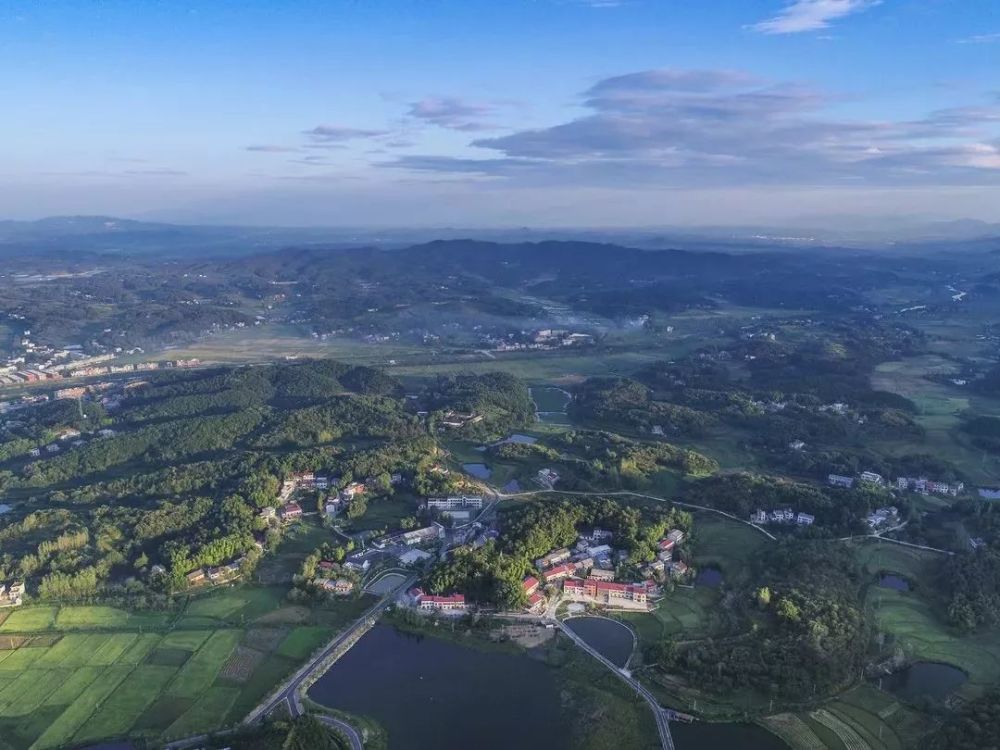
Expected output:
{"points": [[702, 735], [550, 404], [894, 582], [924, 680], [610, 638], [709, 577], [479, 471], [430, 693], [519, 440]]}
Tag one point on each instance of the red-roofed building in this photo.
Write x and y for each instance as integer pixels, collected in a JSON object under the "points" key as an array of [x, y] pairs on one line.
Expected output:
{"points": [[605, 592], [530, 585], [291, 510], [536, 602], [667, 544], [559, 572]]}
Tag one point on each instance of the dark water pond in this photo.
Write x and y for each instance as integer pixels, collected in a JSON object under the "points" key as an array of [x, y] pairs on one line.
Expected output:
{"points": [[479, 471], [704, 736], [551, 403], [521, 439], [897, 583], [437, 695], [710, 577], [924, 679], [609, 638]]}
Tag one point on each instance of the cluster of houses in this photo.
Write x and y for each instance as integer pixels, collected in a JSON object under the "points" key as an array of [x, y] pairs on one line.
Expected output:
{"points": [[13, 595], [882, 517], [546, 338], [220, 574], [587, 573], [337, 586], [68, 436], [916, 484], [928, 487], [782, 515], [664, 564]]}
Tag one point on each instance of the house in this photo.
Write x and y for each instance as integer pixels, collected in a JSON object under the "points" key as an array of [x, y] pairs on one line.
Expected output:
{"points": [[12, 596], [35, 452], [666, 545], [422, 536], [452, 603], [536, 602], [332, 507], [552, 558], [678, 569], [676, 536], [414, 556], [804, 519], [195, 577], [340, 587], [599, 535], [548, 477], [758, 517], [584, 563], [602, 574], [837, 480], [558, 572], [529, 585], [67, 434], [454, 503], [600, 550], [52, 448], [267, 513], [657, 566], [291, 511], [975, 543], [871, 477]]}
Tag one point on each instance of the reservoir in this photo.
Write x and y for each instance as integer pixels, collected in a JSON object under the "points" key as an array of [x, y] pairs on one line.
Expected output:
{"points": [[924, 680], [704, 736], [432, 694], [896, 583], [609, 638], [479, 471]]}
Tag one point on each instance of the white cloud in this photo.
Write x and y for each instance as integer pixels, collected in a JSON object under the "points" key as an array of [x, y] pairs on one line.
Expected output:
{"points": [[981, 38], [810, 15]]}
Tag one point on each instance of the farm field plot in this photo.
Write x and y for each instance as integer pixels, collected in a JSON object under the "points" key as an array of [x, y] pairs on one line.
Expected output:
{"points": [[924, 636], [102, 675]]}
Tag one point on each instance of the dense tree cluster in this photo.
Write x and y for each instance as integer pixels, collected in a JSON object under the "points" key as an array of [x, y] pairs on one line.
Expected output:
{"points": [[972, 583], [974, 726], [807, 634]]}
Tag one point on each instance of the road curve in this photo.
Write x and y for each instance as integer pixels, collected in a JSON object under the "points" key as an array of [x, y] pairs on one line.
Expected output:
{"points": [[344, 728], [659, 713]]}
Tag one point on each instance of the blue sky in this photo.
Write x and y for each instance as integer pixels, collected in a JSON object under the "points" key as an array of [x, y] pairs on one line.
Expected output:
{"points": [[520, 112]]}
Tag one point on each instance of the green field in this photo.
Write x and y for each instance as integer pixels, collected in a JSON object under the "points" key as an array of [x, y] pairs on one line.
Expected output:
{"points": [[73, 675]]}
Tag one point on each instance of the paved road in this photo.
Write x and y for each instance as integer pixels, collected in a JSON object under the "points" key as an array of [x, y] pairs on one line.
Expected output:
{"points": [[289, 692], [344, 728], [659, 712]]}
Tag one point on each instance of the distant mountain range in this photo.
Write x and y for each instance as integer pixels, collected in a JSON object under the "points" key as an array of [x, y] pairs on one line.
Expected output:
{"points": [[77, 237]]}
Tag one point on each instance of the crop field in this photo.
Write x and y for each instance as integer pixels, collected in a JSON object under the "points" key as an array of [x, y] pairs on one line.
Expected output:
{"points": [[683, 614], [76, 675], [940, 409]]}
